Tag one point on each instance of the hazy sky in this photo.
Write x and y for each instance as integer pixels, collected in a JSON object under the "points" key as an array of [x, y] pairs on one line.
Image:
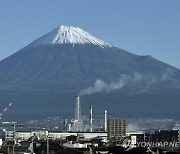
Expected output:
{"points": [[143, 27]]}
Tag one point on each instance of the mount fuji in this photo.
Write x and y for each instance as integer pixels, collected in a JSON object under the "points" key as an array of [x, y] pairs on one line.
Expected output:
{"points": [[69, 35], [44, 77]]}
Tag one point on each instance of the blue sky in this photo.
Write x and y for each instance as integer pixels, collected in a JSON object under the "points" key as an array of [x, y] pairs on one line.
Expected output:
{"points": [[143, 27]]}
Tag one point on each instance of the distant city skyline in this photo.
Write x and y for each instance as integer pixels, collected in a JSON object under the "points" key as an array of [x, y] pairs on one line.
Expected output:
{"points": [[140, 27]]}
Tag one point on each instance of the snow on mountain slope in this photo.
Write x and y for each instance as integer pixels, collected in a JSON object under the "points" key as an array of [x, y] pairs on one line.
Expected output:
{"points": [[69, 35]]}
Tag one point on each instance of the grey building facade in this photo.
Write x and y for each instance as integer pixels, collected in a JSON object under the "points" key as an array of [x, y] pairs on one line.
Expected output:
{"points": [[116, 129]]}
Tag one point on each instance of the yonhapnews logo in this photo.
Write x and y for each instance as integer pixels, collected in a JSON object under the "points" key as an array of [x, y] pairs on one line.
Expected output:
{"points": [[127, 144]]}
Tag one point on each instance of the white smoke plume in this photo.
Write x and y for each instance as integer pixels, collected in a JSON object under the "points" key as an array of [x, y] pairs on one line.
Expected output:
{"points": [[132, 127], [168, 76], [101, 86], [136, 79], [150, 123]]}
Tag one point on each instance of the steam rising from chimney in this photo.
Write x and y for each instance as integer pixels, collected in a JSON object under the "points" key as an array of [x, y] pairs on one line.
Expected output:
{"points": [[144, 81]]}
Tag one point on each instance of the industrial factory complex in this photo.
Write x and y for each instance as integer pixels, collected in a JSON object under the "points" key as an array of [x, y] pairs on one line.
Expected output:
{"points": [[77, 137]]}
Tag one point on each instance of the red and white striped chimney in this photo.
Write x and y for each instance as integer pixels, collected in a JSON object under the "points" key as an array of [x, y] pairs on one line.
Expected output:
{"points": [[91, 118]]}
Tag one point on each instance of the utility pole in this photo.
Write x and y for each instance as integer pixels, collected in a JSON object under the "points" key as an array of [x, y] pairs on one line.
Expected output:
{"points": [[14, 135], [47, 145], [47, 140], [33, 144], [14, 130], [8, 150]]}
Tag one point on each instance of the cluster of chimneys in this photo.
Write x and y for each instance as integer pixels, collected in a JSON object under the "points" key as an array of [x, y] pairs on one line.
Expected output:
{"points": [[77, 111]]}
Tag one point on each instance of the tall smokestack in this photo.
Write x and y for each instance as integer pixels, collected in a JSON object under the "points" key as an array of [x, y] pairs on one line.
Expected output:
{"points": [[91, 118], [78, 110], [105, 120]]}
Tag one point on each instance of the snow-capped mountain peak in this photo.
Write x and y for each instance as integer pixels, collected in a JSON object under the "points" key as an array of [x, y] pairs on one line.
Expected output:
{"points": [[69, 35]]}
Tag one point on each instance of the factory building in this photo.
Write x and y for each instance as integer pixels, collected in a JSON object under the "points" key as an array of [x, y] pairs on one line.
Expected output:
{"points": [[116, 130], [58, 135]]}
